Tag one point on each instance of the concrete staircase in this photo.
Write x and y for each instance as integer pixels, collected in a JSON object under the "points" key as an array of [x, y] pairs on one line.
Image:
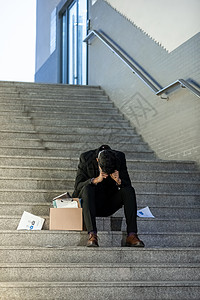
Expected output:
{"points": [[43, 130]]}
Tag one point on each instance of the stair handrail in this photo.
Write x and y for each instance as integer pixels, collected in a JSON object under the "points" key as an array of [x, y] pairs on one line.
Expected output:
{"points": [[136, 71]]}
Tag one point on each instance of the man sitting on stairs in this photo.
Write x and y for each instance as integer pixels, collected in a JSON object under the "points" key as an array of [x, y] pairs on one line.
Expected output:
{"points": [[103, 184]]}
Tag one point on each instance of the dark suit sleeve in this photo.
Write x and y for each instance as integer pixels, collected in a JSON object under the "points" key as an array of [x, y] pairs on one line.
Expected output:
{"points": [[123, 172], [82, 177]]}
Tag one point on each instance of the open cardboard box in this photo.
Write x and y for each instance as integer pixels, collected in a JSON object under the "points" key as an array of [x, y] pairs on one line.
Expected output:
{"points": [[66, 218]]}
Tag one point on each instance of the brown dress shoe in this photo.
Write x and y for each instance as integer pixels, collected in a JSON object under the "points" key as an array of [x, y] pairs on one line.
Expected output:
{"points": [[93, 240], [133, 241]]}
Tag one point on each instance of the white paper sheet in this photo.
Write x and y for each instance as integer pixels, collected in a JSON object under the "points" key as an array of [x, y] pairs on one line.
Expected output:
{"points": [[30, 222], [65, 203], [145, 213], [63, 196]]}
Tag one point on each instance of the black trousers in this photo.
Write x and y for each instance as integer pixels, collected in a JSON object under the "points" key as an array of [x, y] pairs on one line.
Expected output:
{"points": [[100, 201]]}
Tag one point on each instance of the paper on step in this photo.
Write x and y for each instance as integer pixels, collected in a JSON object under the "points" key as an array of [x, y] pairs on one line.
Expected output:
{"points": [[145, 213], [30, 222]]}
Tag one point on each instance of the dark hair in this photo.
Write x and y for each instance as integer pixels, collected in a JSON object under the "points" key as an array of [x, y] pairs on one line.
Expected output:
{"points": [[107, 161], [104, 147]]}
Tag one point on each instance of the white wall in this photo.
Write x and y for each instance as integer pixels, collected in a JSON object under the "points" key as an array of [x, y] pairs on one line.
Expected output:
{"points": [[169, 22], [171, 128], [43, 24]]}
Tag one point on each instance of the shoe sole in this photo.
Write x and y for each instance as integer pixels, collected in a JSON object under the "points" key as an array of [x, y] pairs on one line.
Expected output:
{"points": [[92, 245], [136, 245]]}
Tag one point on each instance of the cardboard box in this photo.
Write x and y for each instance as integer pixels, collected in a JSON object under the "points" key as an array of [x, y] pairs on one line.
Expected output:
{"points": [[66, 218]]}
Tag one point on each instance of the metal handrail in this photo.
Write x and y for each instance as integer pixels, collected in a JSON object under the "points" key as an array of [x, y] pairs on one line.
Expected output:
{"points": [[136, 71]]}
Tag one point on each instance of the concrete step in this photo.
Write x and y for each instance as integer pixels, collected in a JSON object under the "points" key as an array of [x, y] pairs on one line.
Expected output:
{"points": [[48, 99], [50, 90], [43, 151], [59, 105], [33, 205], [167, 225], [72, 162], [68, 110], [143, 199], [70, 127], [24, 254], [15, 85], [44, 238], [21, 89], [70, 173], [74, 143], [168, 176], [53, 99], [63, 138], [69, 101], [30, 85], [101, 290], [167, 212], [140, 186], [6, 120], [81, 128], [51, 93], [151, 225], [103, 116], [23, 118], [72, 272], [16, 209]]}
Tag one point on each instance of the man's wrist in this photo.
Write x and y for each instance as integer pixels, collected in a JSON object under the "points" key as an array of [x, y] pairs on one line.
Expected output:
{"points": [[92, 181]]}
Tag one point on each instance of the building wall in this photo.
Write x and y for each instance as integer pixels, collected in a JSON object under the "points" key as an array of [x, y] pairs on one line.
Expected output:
{"points": [[170, 22], [49, 71], [47, 66], [170, 127], [43, 25]]}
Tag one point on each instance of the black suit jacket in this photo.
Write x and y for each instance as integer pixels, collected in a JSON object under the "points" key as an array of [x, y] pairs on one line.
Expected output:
{"points": [[88, 169]]}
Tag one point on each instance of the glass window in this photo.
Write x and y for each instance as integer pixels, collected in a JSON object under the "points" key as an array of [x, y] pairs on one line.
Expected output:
{"points": [[74, 50], [53, 32], [73, 45], [64, 48], [82, 49]]}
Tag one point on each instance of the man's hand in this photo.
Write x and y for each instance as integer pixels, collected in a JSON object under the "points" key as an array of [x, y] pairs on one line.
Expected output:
{"points": [[115, 177], [100, 178]]}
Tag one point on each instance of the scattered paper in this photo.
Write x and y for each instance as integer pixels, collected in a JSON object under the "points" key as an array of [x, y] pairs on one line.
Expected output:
{"points": [[30, 222], [145, 213]]}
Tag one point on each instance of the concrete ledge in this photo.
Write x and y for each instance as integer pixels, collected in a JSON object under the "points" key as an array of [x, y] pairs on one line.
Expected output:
{"points": [[104, 272], [101, 291], [46, 238], [18, 254]]}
